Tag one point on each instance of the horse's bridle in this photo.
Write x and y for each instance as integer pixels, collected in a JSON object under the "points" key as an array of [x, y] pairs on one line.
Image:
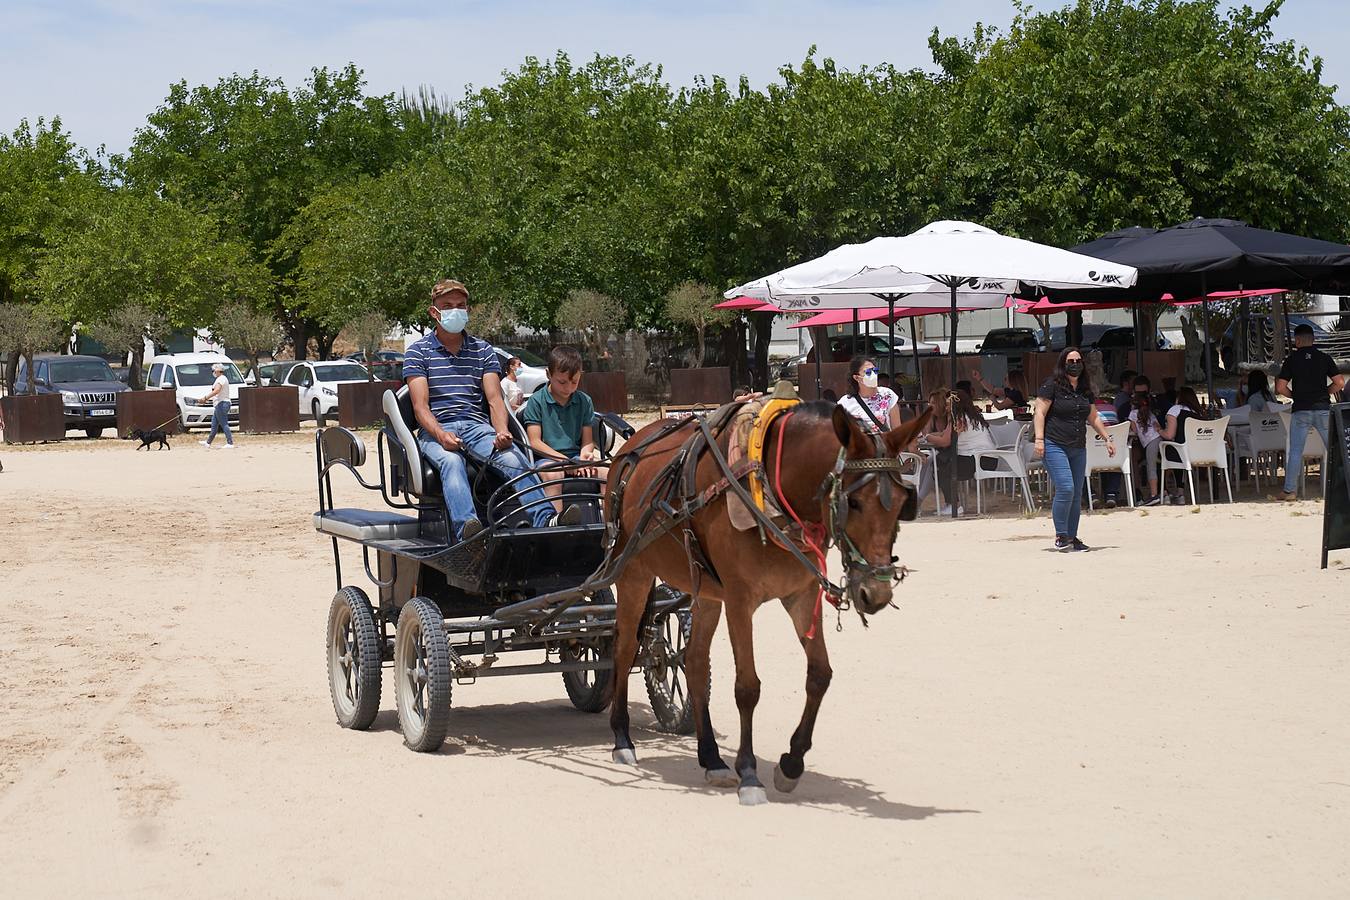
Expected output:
{"points": [[887, 471]]}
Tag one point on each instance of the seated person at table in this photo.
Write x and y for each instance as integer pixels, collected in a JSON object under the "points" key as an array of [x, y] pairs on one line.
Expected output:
{"points": [[1259, 397], [1124, 397], [1013, 393], [557, 421], [940, 438], [1144, 425], [1174, 429]]}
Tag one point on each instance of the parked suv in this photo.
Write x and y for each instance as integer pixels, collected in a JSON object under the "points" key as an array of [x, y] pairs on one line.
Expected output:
{"points": [[87, 385], [189, 376]]}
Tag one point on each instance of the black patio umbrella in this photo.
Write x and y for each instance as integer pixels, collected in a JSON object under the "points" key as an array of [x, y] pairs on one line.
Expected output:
{"points": [[1203, 255]]}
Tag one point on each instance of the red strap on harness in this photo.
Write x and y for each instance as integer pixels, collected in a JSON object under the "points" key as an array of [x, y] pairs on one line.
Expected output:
{"points": [[814, 535]]}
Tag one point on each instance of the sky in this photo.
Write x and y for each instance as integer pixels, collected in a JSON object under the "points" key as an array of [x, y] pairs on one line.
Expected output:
{"points": [[104, 65]]}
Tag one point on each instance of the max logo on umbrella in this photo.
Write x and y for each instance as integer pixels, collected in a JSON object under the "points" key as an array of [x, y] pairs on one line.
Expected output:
{"points": [[800, 302], [1104, 279], [979, 285]]}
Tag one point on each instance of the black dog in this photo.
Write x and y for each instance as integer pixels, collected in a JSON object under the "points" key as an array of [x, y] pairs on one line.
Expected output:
{"points": [[149, 437]]}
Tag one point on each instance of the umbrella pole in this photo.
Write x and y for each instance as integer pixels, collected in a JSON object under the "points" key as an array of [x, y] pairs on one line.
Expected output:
{"points": [[890, 346], [855, 331], [1204, 345], [914, 349], [951, 349], [1138, 341]]}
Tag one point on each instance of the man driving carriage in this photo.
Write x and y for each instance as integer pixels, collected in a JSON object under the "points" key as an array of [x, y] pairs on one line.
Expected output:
{"points": [[450, 373]]}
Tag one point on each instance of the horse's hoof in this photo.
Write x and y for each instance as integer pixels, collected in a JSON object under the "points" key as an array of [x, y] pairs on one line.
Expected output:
{"points": [[782, 782], [723, 777], [625, 756], [753, 795]]}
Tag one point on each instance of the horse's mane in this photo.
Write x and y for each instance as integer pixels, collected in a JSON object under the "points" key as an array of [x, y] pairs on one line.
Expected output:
{"points": [[815, 409]]}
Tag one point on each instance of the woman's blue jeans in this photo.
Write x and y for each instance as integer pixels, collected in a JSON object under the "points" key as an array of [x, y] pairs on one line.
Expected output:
{"points": [[220, 421], [1066, 465]]}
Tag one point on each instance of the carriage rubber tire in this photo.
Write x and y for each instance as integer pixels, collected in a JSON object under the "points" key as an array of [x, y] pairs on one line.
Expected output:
{"points": [[670, 718], [592, 698], [420, 616], [352, 603]]}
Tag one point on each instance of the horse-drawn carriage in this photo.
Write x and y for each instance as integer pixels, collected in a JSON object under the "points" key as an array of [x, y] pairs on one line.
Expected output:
{"points": [[448, 612]]}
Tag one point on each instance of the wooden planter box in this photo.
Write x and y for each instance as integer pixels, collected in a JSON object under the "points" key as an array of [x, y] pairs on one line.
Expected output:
{"points": [[608, 391], [833, 377], [147, 410], [710, 385], [359, 404], [32, 418], [264, 410]]}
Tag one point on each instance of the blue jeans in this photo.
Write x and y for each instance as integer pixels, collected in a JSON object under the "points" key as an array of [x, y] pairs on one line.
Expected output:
{"points": [[1299, 423], [508, 463], [220, 421], [1066, 465]]}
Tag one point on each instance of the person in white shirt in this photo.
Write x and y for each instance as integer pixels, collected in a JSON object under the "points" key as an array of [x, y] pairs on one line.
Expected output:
{"points": [[876, 409], [511, 391], [219, 397], [1146, 428]]}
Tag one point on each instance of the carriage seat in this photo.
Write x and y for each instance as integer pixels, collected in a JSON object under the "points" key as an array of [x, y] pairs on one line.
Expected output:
{"points": [[365, 524]]}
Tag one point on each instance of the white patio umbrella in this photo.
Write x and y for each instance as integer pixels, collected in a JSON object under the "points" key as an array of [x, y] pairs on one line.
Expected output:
{"points": [[944, 265]]}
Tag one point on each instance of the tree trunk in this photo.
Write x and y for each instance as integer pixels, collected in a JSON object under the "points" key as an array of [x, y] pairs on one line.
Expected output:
{"points": [[1073, 330], [699, 333], [11, 371], [257, 379], [298, 332], [733, 348], [28, 359], [134, 370]]}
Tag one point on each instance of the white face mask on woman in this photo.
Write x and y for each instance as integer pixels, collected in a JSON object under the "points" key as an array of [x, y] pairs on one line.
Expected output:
{"points": [[870, 379]]}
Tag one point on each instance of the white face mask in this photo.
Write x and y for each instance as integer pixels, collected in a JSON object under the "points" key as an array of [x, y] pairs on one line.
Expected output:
{"points": [[452, 320], [870, 381]]}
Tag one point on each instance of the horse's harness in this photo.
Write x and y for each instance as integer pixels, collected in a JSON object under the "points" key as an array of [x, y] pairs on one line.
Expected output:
{"points": [[674, 494]]}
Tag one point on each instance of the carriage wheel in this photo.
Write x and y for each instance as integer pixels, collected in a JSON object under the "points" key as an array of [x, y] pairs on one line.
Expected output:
{"points": [[422, 675], [590, 690], [667, 684], [353, 659]]}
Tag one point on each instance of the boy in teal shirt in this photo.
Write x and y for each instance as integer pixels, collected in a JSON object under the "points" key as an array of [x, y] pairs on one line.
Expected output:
{"points": [[557, 420]]}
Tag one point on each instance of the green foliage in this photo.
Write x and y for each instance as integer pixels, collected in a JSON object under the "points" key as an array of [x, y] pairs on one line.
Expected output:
{"points": [[693, 304], [368, 331], [593, 316], [240, 324], [27, 329], [126, 328]]}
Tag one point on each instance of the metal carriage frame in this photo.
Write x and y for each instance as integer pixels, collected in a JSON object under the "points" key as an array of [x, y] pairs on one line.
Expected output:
{"points": [[445, 612]]}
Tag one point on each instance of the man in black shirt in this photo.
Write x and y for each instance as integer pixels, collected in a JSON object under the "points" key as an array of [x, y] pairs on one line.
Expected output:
{"points": [[1309, 377]]}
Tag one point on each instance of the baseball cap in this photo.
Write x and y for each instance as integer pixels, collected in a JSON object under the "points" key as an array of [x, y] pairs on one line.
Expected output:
{"points": [[447, 286]]}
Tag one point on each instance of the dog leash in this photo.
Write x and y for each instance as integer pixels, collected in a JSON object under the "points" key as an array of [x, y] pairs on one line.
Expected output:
{"points": [[172, 418]]}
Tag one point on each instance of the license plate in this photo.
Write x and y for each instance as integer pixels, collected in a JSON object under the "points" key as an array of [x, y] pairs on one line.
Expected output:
{"points": [[103, 412]]}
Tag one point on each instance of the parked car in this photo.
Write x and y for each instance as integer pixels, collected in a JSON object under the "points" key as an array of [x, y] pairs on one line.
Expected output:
{"points": [[87, 384], [1098, 336], [842, 350], [381, 356], [317, 383], [264, 376], [190, 377], [1010, 341]]}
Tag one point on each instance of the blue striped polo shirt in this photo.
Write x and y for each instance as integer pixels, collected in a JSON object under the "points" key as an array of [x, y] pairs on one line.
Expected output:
{"points": [[454, 380]]}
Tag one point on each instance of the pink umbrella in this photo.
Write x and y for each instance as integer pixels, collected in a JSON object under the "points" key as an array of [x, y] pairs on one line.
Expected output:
{"points": [[878, 314], [749, 303], [1043, 307]]}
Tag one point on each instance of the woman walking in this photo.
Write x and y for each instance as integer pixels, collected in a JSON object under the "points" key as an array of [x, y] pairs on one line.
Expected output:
{"points": [[219, 398], [1063, 407], [876, 409]]}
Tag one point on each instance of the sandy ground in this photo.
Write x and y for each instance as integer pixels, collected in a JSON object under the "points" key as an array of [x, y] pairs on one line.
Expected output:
{"points": [[1165, 716]]}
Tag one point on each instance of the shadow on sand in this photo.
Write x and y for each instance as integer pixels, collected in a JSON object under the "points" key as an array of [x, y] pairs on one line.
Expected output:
{"points": [[553, 734]]}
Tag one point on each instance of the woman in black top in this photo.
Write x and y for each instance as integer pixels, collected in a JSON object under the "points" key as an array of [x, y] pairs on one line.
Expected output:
{"points": [[1063, 407]]}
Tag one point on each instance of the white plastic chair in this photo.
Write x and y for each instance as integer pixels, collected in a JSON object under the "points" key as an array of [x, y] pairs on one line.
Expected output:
{"points": [[1204, 447], [1005, 433], [1313, 448], [1098, 460], [1267, 435], [932, 454], [1008, 464]]}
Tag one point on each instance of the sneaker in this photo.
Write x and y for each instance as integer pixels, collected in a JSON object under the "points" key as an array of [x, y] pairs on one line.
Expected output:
{"points": [[1110, 502], [1289, 496], [472, 529], [228, 447], [1153, 501], [1063, 544], [569, 516], [1077, 546], [206, 444]]}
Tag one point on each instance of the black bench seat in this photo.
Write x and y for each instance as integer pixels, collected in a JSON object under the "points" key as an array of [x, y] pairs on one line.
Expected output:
{"points": [[365, 524]]}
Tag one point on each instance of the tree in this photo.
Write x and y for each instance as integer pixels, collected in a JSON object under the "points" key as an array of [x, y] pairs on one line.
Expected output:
{"points": [[251, 154], [368, 332], [127, 328], [1139, 112], [594, 317], [242, 325], [141, 250], [692, 304], [26, 329]]}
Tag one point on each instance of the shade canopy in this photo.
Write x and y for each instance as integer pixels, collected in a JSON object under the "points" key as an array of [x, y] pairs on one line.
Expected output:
{"points": [[931, 267], [1204, 255], [1047, 307], [877, 314], [739, 303]]}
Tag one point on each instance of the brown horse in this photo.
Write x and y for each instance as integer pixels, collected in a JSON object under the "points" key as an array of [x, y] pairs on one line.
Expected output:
{"points": [[746, 572]]}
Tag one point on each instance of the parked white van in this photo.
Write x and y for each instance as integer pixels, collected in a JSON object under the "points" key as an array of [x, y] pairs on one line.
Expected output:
{"points": [[189, 376]]}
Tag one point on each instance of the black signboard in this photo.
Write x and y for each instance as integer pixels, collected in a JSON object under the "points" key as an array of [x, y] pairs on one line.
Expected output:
{"points": [[1336, 511]]}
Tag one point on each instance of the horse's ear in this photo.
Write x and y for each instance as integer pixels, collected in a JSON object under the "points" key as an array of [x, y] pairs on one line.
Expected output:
{"points": [[898, 439], [850, 434]]}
